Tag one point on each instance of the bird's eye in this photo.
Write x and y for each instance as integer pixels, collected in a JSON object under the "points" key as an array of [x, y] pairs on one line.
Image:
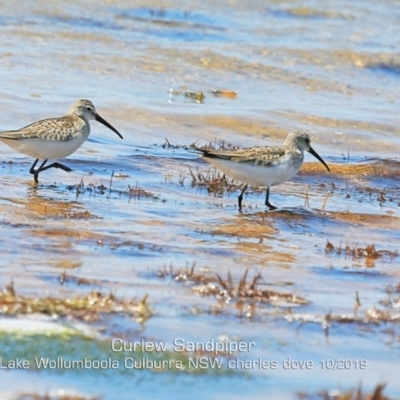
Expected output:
{"points": [[89, 108]]}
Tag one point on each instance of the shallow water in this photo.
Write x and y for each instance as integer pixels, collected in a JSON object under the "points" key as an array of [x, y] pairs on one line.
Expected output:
{"points": [[331, 69]]}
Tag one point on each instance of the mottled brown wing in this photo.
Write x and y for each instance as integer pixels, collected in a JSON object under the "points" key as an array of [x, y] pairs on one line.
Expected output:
{"points": [[254, 155], [264, 156], [50, 129], [211, 152], [226, 154]]}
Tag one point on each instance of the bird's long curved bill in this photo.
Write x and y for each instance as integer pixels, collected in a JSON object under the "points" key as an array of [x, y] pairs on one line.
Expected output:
{"points": [[315, 154], [109, 126]]}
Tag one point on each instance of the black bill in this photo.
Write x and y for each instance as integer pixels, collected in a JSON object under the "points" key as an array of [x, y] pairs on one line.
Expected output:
{"points": [[109, 126], [315, 154]]}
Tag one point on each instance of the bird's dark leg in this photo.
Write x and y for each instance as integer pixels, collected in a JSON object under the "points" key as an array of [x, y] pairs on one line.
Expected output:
{"points": [[240, 198], [32, 170], [267, 203], [42, 167], [35, 172], [57, 165]]}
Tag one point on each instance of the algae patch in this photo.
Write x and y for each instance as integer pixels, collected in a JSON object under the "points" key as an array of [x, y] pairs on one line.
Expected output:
{"points": [[244, 295], [89, 307]]}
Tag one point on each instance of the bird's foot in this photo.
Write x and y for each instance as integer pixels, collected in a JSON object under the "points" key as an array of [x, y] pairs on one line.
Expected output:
{"points": [[271, 207], [61, 166]]}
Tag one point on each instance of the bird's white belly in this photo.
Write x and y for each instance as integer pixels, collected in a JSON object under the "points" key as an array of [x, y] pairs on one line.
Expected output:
{"points": [[46, 149], [257, 175]]}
